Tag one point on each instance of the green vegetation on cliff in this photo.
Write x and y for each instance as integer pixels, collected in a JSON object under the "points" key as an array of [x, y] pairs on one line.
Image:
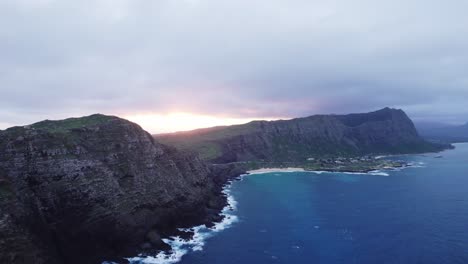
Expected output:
{"points": [[55, 126], [387, 131]]}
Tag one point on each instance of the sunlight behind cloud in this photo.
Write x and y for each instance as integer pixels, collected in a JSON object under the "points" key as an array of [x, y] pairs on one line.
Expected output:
{"points": [[172, 122]]}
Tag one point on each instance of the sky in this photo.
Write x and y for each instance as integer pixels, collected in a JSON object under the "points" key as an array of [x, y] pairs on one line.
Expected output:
{"points": [[174, 65]]}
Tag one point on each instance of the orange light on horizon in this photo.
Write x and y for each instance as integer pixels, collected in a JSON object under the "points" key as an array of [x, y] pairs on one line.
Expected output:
{"points": [[173, 122]]}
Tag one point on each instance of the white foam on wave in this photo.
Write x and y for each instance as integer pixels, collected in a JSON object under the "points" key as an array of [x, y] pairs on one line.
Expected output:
{"points": [[378, 173], [320, 172], [375, 172], [419, 164], [270, 170], [381, 156], [355, 173], [342, 172], [180, 247]]}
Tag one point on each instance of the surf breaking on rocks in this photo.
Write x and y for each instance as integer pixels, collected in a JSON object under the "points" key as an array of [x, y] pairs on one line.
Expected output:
{"points": [[180, 247]]}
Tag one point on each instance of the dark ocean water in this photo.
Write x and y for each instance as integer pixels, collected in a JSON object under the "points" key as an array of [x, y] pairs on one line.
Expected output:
{"points": [[416, 215]]}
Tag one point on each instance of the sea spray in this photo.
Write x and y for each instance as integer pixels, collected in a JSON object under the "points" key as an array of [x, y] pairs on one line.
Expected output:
{"points": [[180, 247]]}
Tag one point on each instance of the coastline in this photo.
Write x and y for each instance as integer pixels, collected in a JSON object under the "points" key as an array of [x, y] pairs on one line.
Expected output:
{"points": [[250, 189], [180, 246], [183, 244], [363, 164], [366, 171]]}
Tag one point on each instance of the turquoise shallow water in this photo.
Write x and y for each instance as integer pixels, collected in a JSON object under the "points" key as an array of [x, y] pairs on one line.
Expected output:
{"points": [[415, 215]]}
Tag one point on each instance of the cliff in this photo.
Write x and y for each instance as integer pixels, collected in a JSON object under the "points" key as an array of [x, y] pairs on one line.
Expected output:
{"points": [[387, 131], [84, 190]]}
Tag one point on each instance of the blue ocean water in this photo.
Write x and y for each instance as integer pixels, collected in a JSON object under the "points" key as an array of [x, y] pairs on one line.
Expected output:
{"points": [[415, 215]]}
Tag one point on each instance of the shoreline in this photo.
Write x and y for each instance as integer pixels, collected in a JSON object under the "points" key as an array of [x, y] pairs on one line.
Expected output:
{"points": [[368, 171], [182, 245]]}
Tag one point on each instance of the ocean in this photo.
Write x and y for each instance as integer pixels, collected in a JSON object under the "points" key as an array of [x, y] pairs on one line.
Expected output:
{"points": [[413, 215]]}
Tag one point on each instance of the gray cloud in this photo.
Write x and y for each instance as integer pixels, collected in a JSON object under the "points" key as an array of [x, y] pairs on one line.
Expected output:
{"points": [[258, 58]]}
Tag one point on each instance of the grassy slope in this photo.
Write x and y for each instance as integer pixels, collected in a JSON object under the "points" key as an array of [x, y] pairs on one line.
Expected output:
{"points": [[58, 130], [206, 141], [70, 123]]}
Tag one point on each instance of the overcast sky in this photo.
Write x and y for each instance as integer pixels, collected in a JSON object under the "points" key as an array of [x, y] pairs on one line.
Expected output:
{"points": [[232, 59]]}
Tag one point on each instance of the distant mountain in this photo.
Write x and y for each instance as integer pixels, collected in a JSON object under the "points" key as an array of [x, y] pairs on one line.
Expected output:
{"points": [[387, 131], [446, 133]]}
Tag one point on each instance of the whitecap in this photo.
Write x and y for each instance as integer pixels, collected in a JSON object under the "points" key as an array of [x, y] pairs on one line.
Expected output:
{"points": [[419, 164], [274, 170], [180, 247], [356, 173], [320, 172], [378, 173], [381, 157]]}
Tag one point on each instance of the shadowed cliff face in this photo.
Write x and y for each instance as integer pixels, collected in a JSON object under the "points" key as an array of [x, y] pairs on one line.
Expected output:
{"points": [[387, 131], [85, 190]]}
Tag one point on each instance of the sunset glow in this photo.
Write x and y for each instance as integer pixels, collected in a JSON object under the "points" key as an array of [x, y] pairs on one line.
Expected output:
{"points": [[172, 122]]}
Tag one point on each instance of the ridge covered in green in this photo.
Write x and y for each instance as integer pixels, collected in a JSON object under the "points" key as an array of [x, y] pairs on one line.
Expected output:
{"points": [[71, 123], [386, 131]]}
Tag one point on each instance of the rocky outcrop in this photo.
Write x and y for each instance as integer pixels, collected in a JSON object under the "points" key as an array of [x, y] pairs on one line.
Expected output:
{"points": [[95, 188], [387, 131]]}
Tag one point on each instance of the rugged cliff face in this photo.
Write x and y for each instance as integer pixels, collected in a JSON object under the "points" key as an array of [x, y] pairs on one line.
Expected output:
{"points": [[95, 188], [387, 131]]}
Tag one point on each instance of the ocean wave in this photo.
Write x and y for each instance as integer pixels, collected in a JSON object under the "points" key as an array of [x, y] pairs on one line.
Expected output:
{"points": [[320, 172], [375, 172], [271, 170], [419, 164], [378, 173], [381, 156], [180, 247]]}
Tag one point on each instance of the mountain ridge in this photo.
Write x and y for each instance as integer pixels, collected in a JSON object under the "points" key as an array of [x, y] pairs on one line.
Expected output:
{"points": [[385, 131]]}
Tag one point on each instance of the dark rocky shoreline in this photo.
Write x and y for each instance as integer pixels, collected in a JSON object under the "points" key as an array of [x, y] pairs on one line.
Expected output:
{"points": [[222, 175]]}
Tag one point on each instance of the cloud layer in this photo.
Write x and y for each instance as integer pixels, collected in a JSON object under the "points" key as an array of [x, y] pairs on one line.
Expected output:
{"points": [[256, 58]]}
